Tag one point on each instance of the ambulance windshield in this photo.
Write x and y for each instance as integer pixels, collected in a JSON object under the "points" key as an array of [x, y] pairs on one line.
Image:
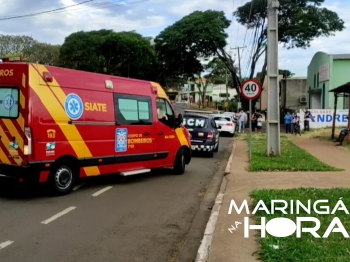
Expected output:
{"points": [[195, 122]]}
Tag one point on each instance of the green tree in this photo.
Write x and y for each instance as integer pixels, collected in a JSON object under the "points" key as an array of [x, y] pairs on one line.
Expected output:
{"points": [[299, 22], [43, 53], [128, 54], [82, 50], [215, 72], [286, 73], [199, 36], [15, 44]]}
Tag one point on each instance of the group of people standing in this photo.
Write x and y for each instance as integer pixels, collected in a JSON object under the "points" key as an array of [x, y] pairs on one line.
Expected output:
{"points": [[292, 122], [242, 119]]}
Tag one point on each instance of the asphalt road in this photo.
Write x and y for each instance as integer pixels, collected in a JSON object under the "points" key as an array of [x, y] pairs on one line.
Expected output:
{"points": [[155, 217]]}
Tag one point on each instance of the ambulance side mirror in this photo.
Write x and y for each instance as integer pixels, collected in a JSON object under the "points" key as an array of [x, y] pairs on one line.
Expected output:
{"points": [[179, 119]]}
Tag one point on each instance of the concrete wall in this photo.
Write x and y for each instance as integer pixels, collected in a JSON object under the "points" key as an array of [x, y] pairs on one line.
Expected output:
{"points": [[263, 96], [292, 89]]}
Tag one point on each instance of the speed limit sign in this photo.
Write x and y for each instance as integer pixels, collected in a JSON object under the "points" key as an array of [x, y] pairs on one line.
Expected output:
{"points": [[251, 89]]}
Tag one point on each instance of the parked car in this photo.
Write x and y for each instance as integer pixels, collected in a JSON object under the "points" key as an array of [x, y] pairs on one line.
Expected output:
{"points": [[204, 132], [226, 124]]}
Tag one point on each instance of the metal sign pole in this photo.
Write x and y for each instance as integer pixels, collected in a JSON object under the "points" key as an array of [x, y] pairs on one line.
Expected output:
{"points": [[250, 129], [250, 90]]}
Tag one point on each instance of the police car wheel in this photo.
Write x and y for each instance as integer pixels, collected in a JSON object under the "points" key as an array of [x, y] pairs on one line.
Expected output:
{"points": [[63, 178], [211, 153], [180, 163]]}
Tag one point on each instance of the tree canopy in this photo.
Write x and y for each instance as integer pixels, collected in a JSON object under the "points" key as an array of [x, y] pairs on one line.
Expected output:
{"points": [[29, 48], [183, 47], [299, 22], [127, 54]]}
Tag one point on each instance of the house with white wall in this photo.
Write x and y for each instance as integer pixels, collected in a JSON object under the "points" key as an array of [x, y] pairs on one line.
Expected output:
{"points": [[191, 91]]}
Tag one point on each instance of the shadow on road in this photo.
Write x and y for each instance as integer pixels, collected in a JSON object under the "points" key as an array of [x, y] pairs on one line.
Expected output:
{"points": [[30, 192]]}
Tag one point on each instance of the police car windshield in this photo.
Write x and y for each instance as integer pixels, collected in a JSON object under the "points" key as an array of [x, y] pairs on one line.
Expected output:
{"points": [[195, 122]]}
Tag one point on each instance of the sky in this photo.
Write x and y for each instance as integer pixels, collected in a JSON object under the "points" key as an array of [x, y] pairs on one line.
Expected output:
{"points": [[150, 17]]}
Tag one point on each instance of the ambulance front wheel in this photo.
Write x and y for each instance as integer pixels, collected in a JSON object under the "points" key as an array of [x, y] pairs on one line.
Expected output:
{"points": [[63, 177], [180, 162]]}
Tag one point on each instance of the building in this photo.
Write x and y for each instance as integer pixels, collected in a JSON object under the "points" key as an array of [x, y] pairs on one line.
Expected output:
{"points": [[325, 72], [263, 96], [293, 93], [192, 91]]}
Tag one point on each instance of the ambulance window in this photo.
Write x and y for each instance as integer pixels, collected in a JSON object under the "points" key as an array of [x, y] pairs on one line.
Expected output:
{"points": [[9, 104], [133, 110]]}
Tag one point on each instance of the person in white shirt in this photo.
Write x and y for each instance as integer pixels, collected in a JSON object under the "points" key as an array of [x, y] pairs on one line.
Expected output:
{"points": [[296, 123], [259, 124], [242, 121]]}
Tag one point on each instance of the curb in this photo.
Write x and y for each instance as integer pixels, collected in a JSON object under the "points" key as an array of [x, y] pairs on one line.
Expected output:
{"points": [[204, 248]]}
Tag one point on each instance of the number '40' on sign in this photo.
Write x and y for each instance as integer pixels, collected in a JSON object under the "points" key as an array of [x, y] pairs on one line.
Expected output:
{"points": [[251, 88]]}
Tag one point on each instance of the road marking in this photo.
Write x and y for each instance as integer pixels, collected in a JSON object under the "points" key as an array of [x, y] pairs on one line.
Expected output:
{"points": [[78, 186], [5, 244], [64, 212], [101, 191]]}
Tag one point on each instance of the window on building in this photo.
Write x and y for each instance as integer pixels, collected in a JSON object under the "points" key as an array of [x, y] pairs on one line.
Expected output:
{"points": [[133, 110], [323, 96], [9, 102], [318, 79], [314, 80]]}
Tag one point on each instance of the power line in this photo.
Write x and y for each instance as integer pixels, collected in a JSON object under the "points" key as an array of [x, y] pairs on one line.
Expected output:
{"points": [[44, 12], [255, 37], [98, 5], [238, 27]]}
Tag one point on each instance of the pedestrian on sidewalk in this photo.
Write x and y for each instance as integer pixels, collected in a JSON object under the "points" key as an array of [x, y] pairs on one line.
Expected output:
{"points": [[254, 121], [307, 115], [296, 123], [242, 121], [259, 123], [288, 122], [343, 133]]}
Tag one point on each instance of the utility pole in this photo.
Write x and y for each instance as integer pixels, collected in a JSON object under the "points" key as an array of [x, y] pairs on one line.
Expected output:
{"points": [[240, 72], [273, 107], [239, 60]]}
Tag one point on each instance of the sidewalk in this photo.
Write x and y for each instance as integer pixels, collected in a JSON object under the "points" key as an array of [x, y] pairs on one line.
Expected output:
{"points": [[227, 246]]}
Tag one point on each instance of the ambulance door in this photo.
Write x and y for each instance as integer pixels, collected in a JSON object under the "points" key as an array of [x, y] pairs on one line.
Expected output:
{"points": [[167, 142], [135, 132]]}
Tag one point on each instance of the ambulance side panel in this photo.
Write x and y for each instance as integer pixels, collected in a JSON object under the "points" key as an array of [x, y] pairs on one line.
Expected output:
{"points": [[75, 122]]}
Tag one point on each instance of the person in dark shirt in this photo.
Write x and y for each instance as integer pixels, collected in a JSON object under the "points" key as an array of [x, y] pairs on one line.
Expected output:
{"points": [[307, 119], [343, 133]]}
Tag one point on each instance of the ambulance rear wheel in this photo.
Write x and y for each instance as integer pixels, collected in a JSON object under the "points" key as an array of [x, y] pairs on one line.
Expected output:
{"points": [[180, 162], [63, 177]]}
